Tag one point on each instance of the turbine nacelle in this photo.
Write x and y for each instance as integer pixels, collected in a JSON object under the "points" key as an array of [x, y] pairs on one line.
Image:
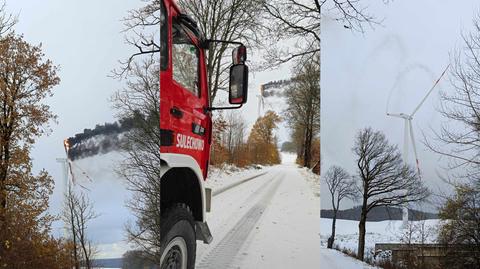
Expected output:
{"points": [[400, 115]]}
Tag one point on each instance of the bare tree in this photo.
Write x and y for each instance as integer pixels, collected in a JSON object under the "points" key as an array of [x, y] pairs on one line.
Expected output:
{"points": [[77, 213], [300, 21], [287, 20], [142, 32], [459, 137], [7, 20], [459, 141], [416, 232], [229, 20], [384, 179], [234, 135], [340, 186], [141, 168], [352, 13]]}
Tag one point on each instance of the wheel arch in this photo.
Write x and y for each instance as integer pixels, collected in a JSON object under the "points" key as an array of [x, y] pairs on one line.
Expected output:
{"points": [[182, 182]]}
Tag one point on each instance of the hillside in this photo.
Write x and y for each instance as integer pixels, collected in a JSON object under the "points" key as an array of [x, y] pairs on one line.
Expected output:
{"points": [[378, 214]]}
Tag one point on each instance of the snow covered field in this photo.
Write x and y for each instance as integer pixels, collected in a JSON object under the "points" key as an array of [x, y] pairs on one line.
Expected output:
{"points": [[346, 235], [333, 259]]}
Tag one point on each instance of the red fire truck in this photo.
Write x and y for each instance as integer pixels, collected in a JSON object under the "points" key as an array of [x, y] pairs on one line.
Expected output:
{"points": [[186, 132]]}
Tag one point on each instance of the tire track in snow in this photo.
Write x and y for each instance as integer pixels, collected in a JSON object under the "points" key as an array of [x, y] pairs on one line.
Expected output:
{"points": [[228, 187], [227, 249]]}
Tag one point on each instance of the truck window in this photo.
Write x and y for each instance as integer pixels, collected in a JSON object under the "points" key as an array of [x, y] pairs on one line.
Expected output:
{"points": [[163, 38], [184, 59]]}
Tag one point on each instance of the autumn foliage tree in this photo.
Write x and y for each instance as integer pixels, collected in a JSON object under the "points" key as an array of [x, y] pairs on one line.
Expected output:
{"points": [[26, 79], [261, 142]]}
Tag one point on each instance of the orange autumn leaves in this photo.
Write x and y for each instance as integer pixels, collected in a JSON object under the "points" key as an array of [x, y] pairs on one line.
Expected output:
{"points": [[230, 147], [26, 78]]}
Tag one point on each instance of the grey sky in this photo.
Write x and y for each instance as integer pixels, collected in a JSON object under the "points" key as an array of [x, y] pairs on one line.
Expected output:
{"points": [[402, 57]]}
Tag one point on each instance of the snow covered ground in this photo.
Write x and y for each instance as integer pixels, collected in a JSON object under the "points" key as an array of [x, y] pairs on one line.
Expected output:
{"points": [[346, 235], [271, 221], [333, 259], [220, 177]]}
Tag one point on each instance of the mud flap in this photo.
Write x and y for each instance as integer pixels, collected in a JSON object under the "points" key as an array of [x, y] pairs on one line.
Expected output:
{"points": [[208, 199], [203, 232]]}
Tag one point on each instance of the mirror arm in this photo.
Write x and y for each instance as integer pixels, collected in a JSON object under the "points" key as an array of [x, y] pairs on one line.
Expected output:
{"points": [[225, 107], [205, 44]]}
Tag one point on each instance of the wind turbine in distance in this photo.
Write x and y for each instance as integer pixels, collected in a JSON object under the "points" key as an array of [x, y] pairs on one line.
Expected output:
{"points": [[409, 132], [261, 101]]}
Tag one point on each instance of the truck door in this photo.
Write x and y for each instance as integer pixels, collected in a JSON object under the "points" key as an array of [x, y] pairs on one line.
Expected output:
{"points": [[187, 115]]}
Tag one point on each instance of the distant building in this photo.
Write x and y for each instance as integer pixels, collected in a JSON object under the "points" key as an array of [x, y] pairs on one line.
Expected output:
{"points": [[425, 255]]}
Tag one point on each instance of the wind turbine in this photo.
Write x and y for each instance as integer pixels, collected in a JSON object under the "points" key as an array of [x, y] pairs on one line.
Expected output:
{"points": [[408, 131], [261, 101]]}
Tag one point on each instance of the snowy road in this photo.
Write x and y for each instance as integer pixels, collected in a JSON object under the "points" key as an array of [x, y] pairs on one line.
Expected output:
{"points": [[271, 221]]}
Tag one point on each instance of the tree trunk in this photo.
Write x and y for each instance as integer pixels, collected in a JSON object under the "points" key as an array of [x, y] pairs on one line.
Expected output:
{"points": [[361, 234], [332, 236], [74, 231], [308, 147], [361, 231]]}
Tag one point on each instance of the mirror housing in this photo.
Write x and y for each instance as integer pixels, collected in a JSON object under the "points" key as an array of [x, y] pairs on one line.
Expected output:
{"points": [[238, 88], [239, 55]]}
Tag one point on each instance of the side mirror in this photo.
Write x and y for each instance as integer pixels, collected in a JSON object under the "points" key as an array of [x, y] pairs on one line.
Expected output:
{"points": [[238, 84]]}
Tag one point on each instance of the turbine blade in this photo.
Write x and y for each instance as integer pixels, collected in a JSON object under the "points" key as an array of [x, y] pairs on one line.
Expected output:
{"points": [[430, 91], [395, 115], [414, 146]]}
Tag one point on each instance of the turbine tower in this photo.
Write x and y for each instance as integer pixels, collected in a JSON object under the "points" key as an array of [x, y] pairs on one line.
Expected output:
{"points": [[408, 132], [261, 101]]}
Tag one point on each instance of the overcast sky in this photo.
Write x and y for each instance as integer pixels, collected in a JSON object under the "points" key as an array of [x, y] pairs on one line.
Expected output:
{"points": [[402, 57]]}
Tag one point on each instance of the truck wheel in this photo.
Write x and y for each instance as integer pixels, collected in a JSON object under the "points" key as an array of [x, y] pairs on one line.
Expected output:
{"points": [[177, 238]]}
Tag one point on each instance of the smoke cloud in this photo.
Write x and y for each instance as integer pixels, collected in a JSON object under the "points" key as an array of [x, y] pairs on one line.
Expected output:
{"points": [[102, 139]]}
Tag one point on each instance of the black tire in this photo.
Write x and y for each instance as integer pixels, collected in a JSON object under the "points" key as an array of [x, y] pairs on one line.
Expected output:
{"points": [[177, 236]]}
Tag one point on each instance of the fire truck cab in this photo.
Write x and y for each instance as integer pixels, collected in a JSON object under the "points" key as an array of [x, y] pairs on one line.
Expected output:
{"points": [[186, 132]]}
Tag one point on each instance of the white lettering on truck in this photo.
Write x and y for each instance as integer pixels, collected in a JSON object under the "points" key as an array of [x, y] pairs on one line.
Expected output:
{"points": [[188, 142]]}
